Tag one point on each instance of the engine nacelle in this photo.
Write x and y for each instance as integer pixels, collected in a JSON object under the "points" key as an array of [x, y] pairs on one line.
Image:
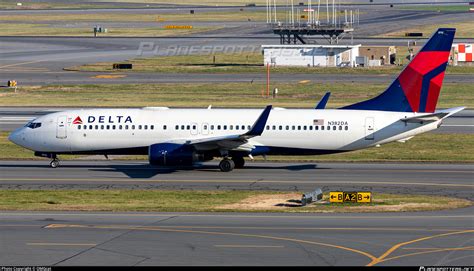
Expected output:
{"points": [[169, 154]]}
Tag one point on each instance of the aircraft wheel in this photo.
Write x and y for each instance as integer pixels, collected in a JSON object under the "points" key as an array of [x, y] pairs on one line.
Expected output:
{"points": [[239, 161], [226, 165], [54, 163]]}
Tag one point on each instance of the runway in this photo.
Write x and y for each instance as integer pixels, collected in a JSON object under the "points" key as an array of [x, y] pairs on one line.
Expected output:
{"points": [[409, 178], [80, 238], [58, 238], [12, 118]]}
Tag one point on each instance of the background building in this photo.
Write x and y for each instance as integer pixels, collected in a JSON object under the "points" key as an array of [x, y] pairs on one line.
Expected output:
{"points": [[311, 55]]}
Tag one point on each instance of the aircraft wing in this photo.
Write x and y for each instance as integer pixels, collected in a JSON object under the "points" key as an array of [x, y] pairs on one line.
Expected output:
{"points": [[239, 141], [439, 114]]}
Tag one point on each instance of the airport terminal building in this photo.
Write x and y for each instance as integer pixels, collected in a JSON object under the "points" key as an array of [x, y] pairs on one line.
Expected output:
{"points": [[311, 55]]}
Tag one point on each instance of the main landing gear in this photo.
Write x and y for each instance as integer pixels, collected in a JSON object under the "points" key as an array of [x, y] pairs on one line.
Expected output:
{"points": [[227, 164]]}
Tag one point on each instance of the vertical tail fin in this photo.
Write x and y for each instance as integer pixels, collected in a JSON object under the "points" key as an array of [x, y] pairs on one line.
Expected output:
{"points": [[417, 87]]}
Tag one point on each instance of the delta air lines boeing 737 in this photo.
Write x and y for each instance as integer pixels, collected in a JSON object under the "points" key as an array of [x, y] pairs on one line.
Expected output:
{"points": [[178, 137]]}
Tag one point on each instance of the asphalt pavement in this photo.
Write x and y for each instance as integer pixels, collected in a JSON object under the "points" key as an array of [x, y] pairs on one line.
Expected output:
{"points": [[406, 178]]}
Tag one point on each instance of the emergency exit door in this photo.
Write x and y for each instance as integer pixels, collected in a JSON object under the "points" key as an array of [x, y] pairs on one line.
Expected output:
{"points": [[369, 128], [61, 128]]}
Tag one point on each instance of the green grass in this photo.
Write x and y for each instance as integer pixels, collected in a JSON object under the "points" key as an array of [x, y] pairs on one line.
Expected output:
{"points": [[425, 147], [203, 94], [13, 29], [245, 62], [201, 201], [159, 18]]}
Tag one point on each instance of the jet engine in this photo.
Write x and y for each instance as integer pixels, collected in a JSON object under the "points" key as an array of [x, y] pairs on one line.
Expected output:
{"points": [[170, 154]]}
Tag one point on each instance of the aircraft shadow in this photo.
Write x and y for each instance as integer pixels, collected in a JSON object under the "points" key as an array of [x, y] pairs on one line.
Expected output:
{"points": [[146, 171]]}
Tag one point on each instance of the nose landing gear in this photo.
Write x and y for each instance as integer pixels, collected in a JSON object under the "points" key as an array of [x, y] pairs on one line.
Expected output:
{"points": [[55, 162]]}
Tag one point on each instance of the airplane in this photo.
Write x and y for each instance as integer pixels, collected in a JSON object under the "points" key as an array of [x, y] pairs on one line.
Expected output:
{"points": [[182, 137]]}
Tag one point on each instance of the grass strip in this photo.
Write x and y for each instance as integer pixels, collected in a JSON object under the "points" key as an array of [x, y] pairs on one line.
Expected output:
{"points": [[240, 94], [207, 201]]}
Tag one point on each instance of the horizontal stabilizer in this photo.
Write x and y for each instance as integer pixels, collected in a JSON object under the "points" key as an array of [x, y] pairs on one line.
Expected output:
{"points": [[440, 114]]}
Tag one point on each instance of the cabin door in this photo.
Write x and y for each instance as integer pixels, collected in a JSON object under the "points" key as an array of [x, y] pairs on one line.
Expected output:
{"points": [[61, 128], [369, 128]]}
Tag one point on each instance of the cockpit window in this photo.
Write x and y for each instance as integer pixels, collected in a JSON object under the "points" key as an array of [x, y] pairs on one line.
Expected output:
{"points": [[33, 125]]}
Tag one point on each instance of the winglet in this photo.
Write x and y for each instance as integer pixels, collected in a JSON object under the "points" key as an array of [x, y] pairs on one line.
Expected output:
{"points": [[259, 125], [324, 101]]}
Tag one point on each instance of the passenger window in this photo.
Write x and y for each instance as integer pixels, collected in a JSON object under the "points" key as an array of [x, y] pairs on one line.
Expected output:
{"points": [[120, 127], [194, 127], [310, 128], [212, 127], [164, 127], [280, 127], [176, 127], [139, 127], [218, 127], [113, 127], [236, 127], [182, 127], [243, 127], [268, 127], [85, 127], [293, 128], [108, 127], [287, 127], [299, 127], [126, 127], [328, 128], [225, 127], [304, 127], [78, 127], [274, 127], [145, 127], [133, 127], [249, 127], [188, 127], [316, 128], [231, 127], [322, 128], [334, 128], [346, 128], [340, 128]]}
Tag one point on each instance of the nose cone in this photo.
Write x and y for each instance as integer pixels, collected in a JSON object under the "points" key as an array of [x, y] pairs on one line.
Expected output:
{"points": [[15, 136]]}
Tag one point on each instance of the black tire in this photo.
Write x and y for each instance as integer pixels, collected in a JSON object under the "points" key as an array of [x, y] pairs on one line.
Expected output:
{"points": [[226, 165], [239, 161], [54, 163]]}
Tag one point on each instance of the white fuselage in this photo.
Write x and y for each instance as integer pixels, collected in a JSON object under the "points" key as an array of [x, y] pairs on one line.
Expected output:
{"points": [[295, 131]]}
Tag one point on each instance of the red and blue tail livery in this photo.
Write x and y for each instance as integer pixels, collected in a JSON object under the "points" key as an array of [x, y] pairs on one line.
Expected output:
{"points": [[417, 87]]}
